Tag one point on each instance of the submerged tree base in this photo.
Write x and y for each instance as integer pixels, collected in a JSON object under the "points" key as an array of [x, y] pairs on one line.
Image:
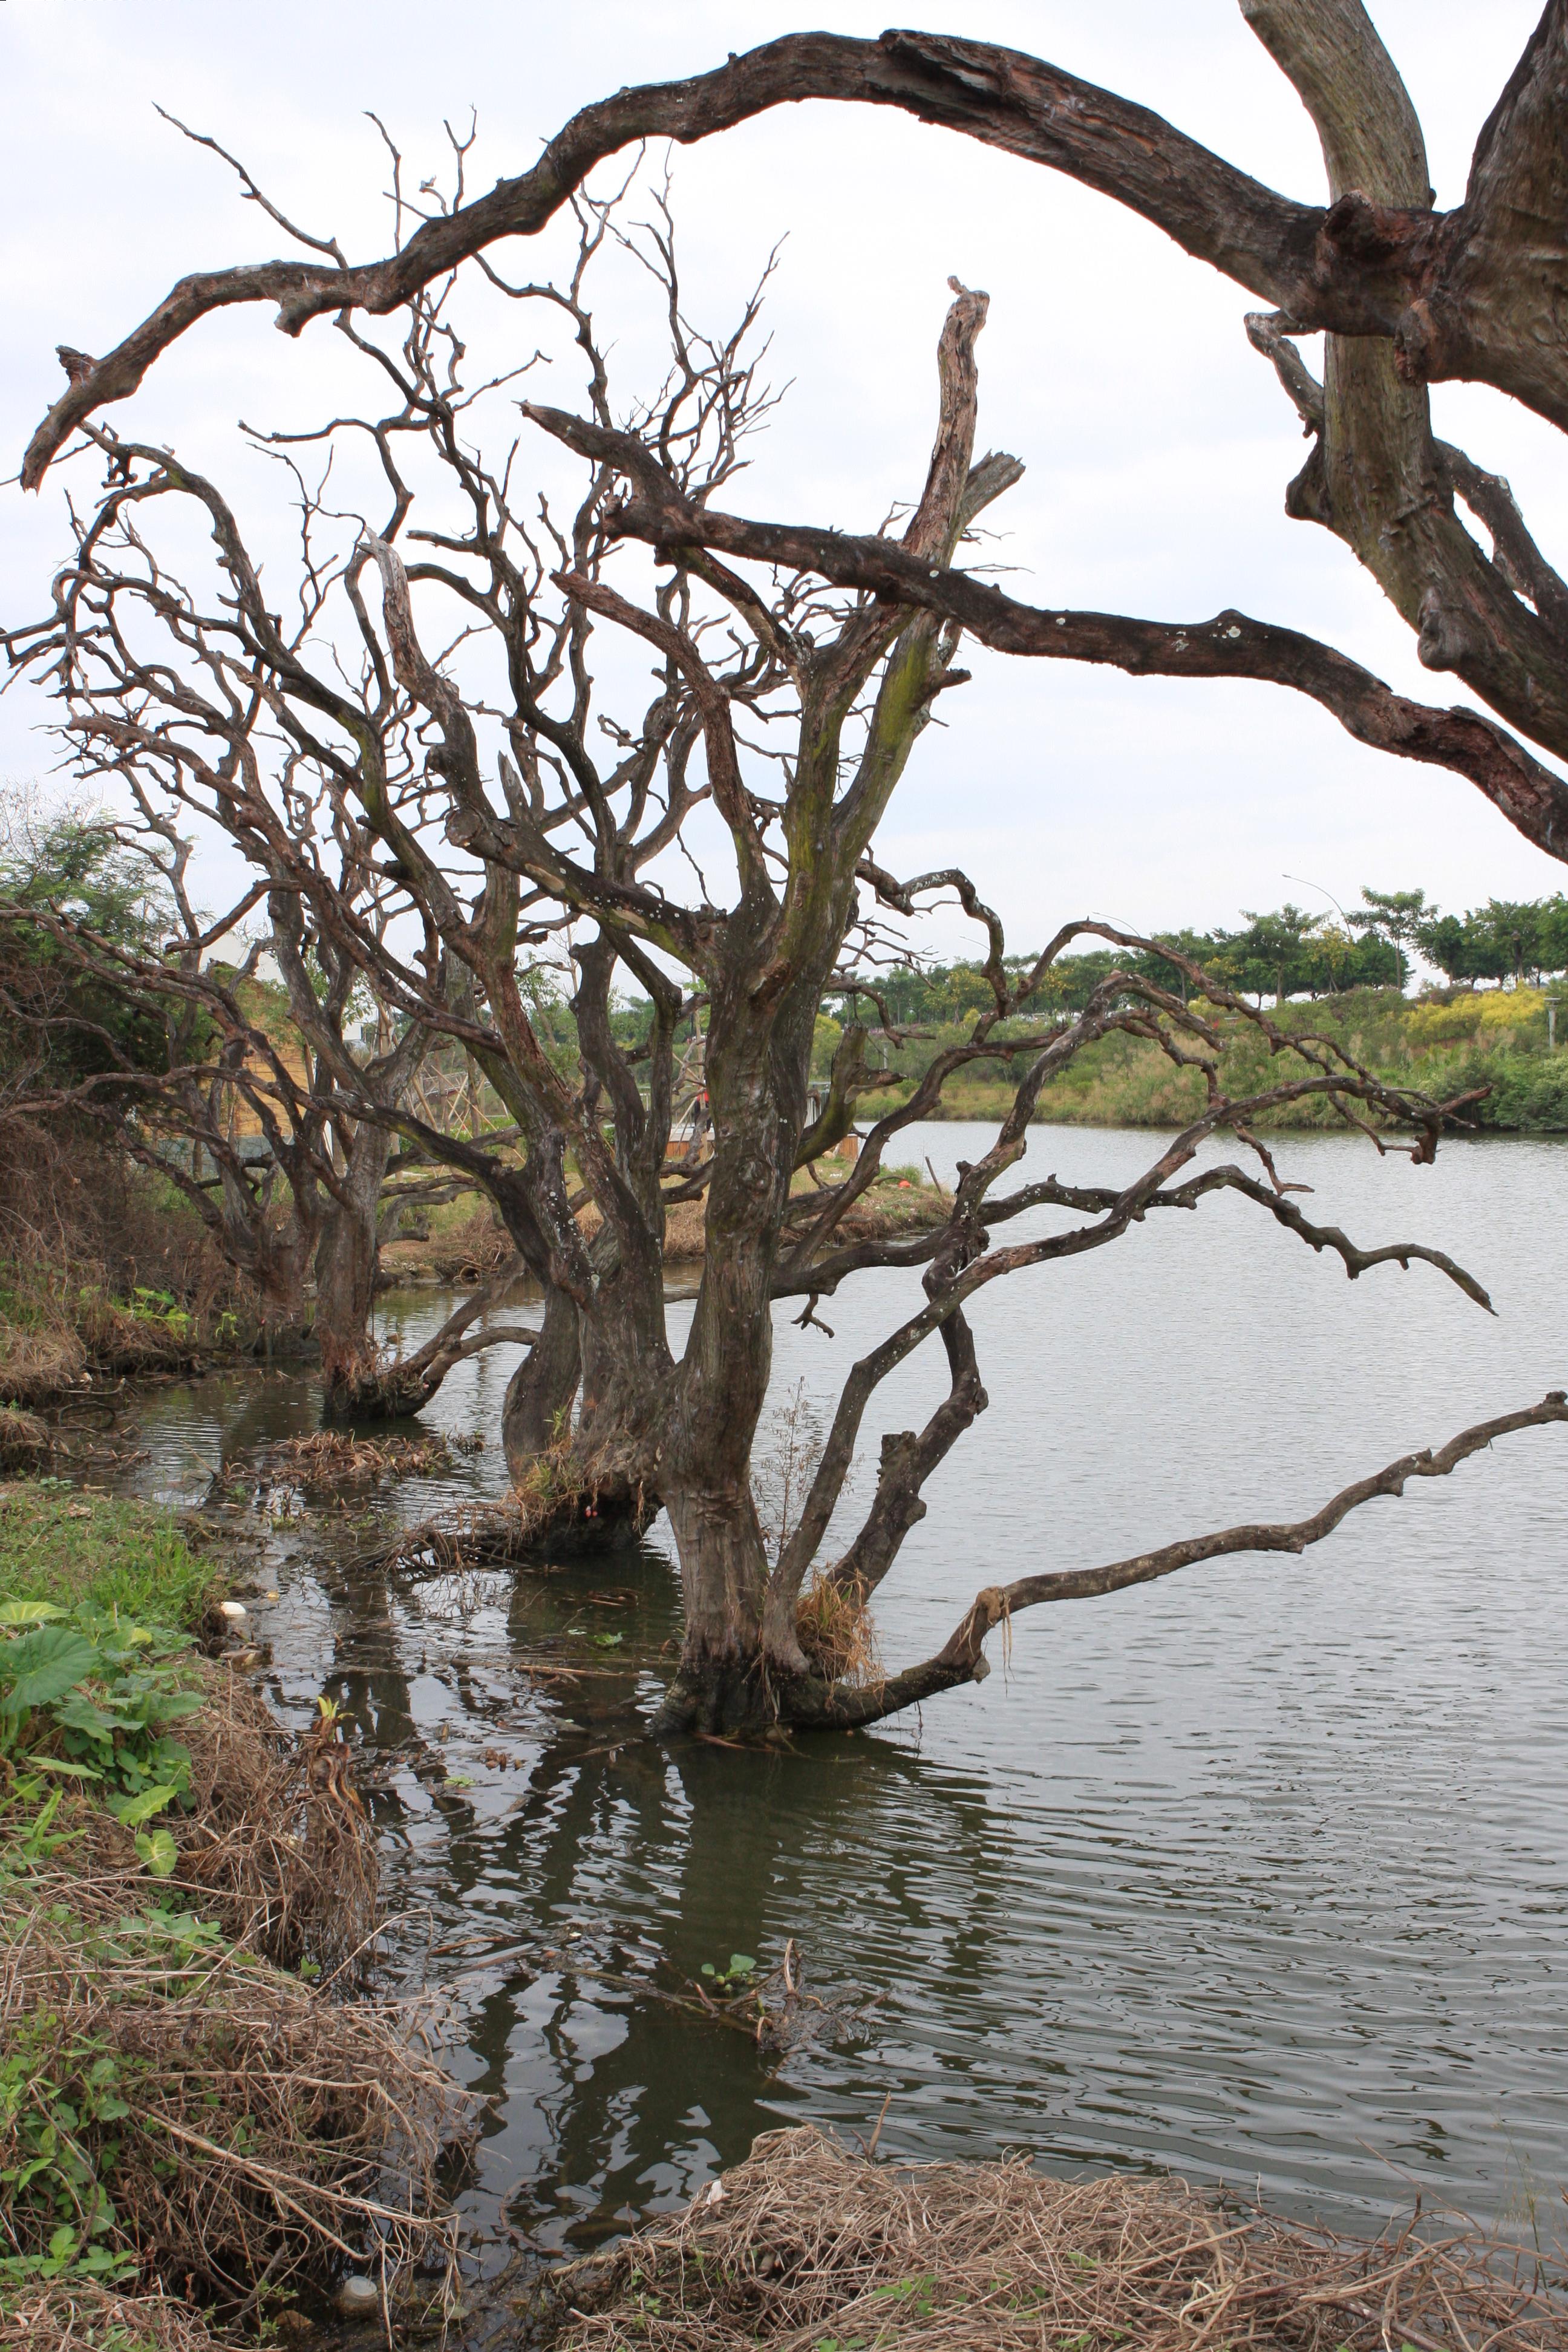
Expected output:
{"points": [[806, 2244]]}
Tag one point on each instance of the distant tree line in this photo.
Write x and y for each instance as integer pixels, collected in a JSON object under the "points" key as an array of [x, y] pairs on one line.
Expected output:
{"points": [[1287, 951]]}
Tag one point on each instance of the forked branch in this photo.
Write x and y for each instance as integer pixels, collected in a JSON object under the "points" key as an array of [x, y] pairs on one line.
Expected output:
{"points": [[962, 1658]]}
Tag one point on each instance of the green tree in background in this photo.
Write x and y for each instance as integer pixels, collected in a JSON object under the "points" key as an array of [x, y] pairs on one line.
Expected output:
{"points": [[1397, 917]]}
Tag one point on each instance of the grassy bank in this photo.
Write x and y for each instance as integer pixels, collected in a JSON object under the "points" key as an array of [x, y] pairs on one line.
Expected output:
{"points": [[63, 1329], [195, 2120], [1440, 1045]]}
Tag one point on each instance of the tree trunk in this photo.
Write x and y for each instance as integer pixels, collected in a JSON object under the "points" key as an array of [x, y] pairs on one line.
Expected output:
{"points": [[537, 1412], [723, 1685], [345, 1274]]}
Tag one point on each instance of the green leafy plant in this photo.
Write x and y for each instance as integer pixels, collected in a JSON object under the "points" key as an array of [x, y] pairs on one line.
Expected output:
{"points": [[59, 2097], [742, 1966], [87, 1695], [162, 1306]]}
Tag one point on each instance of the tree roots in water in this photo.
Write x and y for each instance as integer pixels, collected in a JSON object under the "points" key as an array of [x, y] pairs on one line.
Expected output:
{"points": [[559, 1500], [806, 2244]]}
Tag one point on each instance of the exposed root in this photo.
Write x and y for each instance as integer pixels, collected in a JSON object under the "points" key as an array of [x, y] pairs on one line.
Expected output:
{"points": [[835, 1629], [806, 2244], [559, 1497], [775, 2010]]}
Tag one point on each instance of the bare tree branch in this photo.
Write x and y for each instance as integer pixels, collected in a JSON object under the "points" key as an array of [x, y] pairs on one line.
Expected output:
{"points": [[962, 1657]]}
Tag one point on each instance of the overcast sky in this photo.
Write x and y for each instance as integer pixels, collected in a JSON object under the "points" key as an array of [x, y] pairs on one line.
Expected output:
{"points": [[1158, 446]]}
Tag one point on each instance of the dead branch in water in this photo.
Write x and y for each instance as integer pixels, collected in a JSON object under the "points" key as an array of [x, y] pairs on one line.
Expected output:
{"points": [[962, 1658]]}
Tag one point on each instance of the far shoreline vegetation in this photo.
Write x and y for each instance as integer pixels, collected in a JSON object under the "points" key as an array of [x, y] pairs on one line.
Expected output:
{"points": [[1491, 1021], [160, 1221], [1446, 1043]]}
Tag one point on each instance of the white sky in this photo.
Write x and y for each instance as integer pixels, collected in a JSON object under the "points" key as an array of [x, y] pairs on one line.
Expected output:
{"points": [[1158, 446]]}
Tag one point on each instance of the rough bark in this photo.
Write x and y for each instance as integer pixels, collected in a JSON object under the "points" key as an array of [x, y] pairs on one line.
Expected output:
{"points": [[346, 1260], [542, 1392], [1377, 478]]}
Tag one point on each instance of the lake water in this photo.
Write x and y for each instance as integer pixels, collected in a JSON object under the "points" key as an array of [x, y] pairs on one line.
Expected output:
{"points": [[1259, 1875]]}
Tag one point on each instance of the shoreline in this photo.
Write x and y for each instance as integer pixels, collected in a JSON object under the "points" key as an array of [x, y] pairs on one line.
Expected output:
{"points": [[801, 2236]]}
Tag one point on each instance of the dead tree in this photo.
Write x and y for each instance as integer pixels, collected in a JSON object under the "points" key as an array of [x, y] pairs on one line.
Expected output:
{"points": [[1408, 296], [446, 701]]}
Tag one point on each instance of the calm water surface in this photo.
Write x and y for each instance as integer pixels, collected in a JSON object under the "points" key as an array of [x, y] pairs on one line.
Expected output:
{"points": [[1257, 1874]]}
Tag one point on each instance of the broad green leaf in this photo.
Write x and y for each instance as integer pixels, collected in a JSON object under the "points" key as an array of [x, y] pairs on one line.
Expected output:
{"points": [[133, 1811], [42, 1666], [58, 1764], [30, 1612], [159, 1852], [170, 1706], [740, 1964], [79, 1713]]}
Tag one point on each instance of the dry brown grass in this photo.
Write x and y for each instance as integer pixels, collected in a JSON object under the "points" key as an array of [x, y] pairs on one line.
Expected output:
{"points": [[82, 2317], [277, 1844], [24, 1439], [807, 2244], [38, 1363], [66, 1331], [329, 1459], [267, 2123], [267, 2126], [836, 1631]]}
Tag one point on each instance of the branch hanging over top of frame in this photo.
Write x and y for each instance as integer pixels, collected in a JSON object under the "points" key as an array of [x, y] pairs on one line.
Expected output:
{"points": [[1453, 291]]}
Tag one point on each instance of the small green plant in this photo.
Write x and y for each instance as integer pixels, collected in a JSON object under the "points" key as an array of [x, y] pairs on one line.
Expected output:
{"points": [[59, 2098], [742, 1966], [162, 1306]]}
